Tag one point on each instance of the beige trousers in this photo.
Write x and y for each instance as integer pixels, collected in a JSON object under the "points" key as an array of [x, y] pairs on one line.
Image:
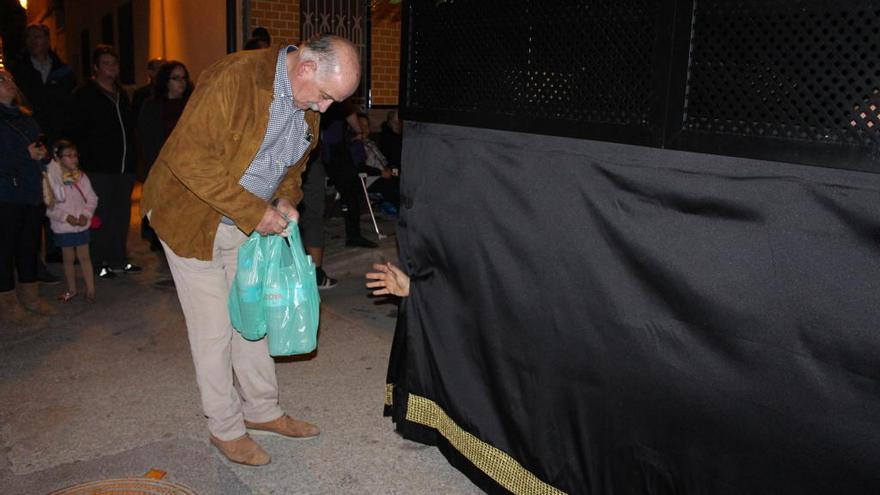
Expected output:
{"points": [[236, 377]]}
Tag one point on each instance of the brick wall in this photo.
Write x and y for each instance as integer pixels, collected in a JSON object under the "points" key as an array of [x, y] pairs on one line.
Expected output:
{"points": [[279, 17], [385, 57]]}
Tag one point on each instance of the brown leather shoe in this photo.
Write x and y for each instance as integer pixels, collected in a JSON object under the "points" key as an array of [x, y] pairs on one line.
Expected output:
{"points": [[242, 450], [284, 426]]}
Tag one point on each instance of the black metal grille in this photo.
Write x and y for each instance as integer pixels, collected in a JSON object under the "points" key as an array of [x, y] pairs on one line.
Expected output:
{"points": [[789, 80], [349, 19], [573, 61], [766, 69]]}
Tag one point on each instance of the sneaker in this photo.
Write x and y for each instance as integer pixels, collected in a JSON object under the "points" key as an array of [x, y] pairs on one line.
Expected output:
{"points": [[388, 208], [129, 268], [106, 272], [360, 242], [324, 282]]}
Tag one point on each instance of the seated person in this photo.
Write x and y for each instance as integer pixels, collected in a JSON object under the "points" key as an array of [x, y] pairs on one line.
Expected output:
{"points": [[371, 161], [390, 140]]}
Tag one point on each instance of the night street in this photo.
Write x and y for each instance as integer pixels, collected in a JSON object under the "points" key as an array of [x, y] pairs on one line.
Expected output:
{"points": [[108, 391]]}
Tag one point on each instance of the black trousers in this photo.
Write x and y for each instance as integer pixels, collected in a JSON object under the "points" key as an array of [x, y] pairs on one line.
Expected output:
{"points": [[340, 168], [20, 243], [311, 208], [108, 246]]}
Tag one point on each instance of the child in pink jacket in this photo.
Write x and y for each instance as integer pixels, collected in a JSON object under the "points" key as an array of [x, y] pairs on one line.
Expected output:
{"points": [[71, 216]]}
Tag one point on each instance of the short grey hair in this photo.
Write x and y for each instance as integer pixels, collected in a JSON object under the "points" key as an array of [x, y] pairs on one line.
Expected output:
{"points": [[322, 52]]}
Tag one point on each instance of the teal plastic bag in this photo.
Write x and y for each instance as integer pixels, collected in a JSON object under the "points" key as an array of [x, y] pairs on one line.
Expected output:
{"points": [[290, 296], [275, 294], [246, 294]]}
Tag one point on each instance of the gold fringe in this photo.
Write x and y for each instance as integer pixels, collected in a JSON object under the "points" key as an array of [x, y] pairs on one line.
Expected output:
{"points": [[389, 394], [495, 463]]}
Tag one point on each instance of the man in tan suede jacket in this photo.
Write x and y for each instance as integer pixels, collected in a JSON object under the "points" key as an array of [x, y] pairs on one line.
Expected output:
{"points": [[232, 166]]}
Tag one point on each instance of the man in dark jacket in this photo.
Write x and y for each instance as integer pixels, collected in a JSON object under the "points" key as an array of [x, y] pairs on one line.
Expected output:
{"points": [[103, 130], [46, 82]]}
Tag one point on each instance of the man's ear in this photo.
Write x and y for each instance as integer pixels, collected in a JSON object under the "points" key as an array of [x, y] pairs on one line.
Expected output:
{"points": [[306, 68]]}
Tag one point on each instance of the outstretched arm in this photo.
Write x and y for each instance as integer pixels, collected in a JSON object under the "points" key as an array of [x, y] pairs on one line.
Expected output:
{"points": [[388, 280]]}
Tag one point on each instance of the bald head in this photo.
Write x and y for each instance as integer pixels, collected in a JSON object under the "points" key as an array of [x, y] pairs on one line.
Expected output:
{"points": [[326, 69]]}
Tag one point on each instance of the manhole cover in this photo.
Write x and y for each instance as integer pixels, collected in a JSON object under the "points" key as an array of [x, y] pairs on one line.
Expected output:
{"points": [[127, 486]]}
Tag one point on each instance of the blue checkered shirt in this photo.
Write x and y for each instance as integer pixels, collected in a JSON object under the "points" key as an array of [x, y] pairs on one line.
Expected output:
{"points": [[287, 138]]}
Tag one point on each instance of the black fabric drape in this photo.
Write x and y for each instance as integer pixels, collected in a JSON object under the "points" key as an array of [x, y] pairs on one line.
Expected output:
{"points": [[620, 319]]}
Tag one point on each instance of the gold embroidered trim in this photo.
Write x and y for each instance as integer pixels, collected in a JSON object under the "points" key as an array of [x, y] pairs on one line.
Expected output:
{"points": [[389, 394], [495, 463]]}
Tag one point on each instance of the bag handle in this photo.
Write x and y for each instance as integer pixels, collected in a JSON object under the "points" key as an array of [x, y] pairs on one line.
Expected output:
{"points": [[81, 193]]}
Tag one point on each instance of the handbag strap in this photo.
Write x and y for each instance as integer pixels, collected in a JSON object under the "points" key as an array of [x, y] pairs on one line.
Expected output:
{"points": [[80, 192]]}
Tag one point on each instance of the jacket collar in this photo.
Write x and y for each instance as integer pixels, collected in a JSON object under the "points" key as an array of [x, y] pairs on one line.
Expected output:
{"points": [[266, 65], [266, 68]]}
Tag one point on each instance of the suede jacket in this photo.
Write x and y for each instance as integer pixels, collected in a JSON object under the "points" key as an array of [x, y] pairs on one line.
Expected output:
{"points": [[194, 181]]}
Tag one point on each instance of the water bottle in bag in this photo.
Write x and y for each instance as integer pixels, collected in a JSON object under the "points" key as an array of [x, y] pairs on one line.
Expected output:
{"points": [[246, 296], [276, 295], [294, 271]]}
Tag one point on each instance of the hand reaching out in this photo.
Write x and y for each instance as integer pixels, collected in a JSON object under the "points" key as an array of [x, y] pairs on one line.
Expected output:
{"points": [[388, 280]]}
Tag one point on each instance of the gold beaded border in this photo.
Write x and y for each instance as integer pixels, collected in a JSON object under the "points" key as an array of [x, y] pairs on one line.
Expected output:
{"points": [[389, 394], [499, 466]]}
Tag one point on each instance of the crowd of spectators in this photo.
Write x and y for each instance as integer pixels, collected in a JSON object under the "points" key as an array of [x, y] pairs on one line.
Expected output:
{"points": [[84, 137], [115, 138]]}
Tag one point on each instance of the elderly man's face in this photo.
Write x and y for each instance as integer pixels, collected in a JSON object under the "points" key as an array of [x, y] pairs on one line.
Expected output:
{"points": [[317, 94], [313, 92]]}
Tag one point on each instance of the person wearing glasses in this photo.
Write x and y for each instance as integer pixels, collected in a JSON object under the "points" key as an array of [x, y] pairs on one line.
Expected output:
{"points": [[157, 119], [232, 167], [71, 209], [21, 207], [162, 110]]}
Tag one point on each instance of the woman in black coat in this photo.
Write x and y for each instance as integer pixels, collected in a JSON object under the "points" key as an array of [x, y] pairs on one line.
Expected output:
{"points": [[157, 119], [21, 211], [161, 112]]}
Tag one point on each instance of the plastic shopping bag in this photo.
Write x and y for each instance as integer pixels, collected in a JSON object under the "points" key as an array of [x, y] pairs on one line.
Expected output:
{"points": [[290, 296], [246, 295], [275, 294]]}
